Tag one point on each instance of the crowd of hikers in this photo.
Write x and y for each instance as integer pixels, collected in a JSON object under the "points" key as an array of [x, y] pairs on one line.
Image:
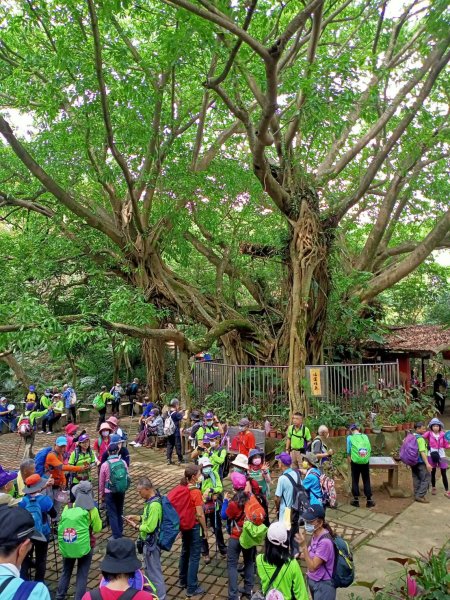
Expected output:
{"points": [[226, 488]]}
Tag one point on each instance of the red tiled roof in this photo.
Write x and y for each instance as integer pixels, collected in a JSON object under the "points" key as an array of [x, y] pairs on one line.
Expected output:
{"points": [[418, 338]]}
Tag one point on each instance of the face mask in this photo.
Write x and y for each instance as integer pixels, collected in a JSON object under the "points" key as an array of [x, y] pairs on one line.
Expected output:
{"points": [[207, 470], [209, 422], [200, 479], [309, 528], [257, 461], [105, 433], [212, 444], [241, 428], [305, 465]]}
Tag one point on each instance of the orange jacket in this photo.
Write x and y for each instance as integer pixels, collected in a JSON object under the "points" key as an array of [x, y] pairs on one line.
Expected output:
{"points": [[55, 467]]}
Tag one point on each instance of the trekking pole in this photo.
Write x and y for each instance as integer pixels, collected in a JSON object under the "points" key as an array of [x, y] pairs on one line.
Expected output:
{"points": [[54, 548]]}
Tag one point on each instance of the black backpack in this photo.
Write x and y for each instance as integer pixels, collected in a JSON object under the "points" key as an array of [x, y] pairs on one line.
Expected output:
{"points": [[300, 502]]}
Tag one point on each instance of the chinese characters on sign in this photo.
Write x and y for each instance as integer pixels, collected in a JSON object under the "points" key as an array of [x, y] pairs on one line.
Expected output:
{"points": [[315, 381]]}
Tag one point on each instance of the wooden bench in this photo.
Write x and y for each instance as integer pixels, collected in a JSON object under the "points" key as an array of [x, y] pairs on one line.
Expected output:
{"points": [[391, 485], [84, 414]]}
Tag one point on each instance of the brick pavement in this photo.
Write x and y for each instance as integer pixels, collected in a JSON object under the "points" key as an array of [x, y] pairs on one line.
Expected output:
{"points": [[152, 463]]}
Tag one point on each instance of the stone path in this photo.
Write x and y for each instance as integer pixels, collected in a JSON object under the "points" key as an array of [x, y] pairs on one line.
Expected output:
{"points": [[355, 525]]}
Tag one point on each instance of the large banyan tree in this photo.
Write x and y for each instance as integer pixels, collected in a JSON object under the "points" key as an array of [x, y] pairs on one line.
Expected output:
{"points": [[223, 152]]}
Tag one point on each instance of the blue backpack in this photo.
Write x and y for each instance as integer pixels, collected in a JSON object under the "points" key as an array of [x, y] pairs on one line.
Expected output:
{"points": [[169, 527], [33, 507], [344, 568], [40, 458]]}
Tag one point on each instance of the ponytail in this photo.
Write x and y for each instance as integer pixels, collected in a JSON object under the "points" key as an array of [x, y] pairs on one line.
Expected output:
{"points": [[328, 527], [189, 473]]}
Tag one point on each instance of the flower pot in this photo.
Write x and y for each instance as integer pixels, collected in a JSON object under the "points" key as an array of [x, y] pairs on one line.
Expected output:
{"points": [[389, 428], [280, 435], [331, 432], [272, 434], [405, 426], [341, 431], [376, 429], [399, 427], [367, 430]]}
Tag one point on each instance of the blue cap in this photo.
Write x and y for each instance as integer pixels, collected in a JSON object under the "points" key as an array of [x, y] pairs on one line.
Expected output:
{"points": [[115, 438], [316, 511], [213, 435], [61, 441], [32, 388]]}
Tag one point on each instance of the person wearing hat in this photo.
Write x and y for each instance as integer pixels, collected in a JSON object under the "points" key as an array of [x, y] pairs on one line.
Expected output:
{"points": [[56, 467], [240, 465], [319, 555], [32, 395], [201, 450], [83, 500], [275, 567], [437, 445], [115, 424], [298, 437], [82, 455], [217, 453], [245, 440], [46, 401], [17, 532], [311, 481], [40, 506], [115, 438], [71, 433], [8, 415], [284, 494], [113, 499], [196, 423], [54, 414], [258, 471], [212, 489], [27, 468], [7, 479], [101, 443], [148, 525], [118, 568], [358, 456], [208, 426], [233, 509], [174, 440], [27, 426]]}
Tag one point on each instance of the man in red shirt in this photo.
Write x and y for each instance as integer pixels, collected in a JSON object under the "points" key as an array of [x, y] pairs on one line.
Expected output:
{"points": [[245, 438]]}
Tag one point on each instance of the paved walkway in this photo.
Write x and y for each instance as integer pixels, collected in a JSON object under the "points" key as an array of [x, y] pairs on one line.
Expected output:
{"points": [[357, 525]]}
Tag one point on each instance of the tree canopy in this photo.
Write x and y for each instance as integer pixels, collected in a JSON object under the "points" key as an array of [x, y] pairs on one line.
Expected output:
{"points": [[198, 170]]}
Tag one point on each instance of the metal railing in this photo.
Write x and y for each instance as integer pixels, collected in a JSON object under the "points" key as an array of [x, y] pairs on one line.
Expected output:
{"points": [[267, 387]]}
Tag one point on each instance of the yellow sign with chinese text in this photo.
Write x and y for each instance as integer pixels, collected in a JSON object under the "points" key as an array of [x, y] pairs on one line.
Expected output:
{"points": [[315, 381]]}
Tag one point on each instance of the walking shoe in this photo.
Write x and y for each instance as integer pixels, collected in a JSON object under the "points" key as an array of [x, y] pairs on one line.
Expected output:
{"points": [[433, 491], [370, 504], [138, 445], [169, 462], [42, 432], [49, 432], [198, 592], [180, 585], [355, 502], [447, 494], [133, 443], [207, 560], [422, 500]]}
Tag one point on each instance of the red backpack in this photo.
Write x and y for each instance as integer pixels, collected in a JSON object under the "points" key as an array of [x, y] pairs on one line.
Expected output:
{"points": [[180, 499], [254, 512]]}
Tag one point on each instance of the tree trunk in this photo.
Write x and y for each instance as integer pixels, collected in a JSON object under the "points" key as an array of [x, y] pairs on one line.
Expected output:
{"points": [[307, 252], [9, 358], [184, 374], [153, 352]]}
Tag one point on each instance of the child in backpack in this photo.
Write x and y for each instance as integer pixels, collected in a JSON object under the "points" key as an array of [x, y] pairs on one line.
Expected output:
{"points": [[276, 569], [358, 452], [41, 508], [212, 489], [258, 471], [234, 511], [113, 498], [437, 444], [319, 555], [148, 525], [87, 514]]}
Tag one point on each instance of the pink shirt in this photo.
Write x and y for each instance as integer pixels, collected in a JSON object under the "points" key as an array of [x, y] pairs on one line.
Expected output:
{"points": [[104, 475]]}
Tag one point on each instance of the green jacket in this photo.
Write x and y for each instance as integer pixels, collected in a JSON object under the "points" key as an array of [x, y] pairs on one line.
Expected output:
{"points": [[298, 436], [59, 407], [46, 402], [204, 429], [289, 581], [217, 458], [207, 484], [78, 459], [151, 518], [33, 415]]}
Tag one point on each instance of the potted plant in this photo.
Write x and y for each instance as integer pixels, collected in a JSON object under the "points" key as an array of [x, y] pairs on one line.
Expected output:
{"points": [[376, 424]]}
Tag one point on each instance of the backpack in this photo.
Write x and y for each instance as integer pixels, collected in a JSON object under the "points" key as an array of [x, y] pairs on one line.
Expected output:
{"points": [[25, 428], [409, 450], [25, 589], [360, 449], [344, 568], [39, 460], [301, 435], [119, 480], [73, 397], [180, 499], [252, 535], [98, 402], [128, 594], [33, 507], [300, 498], [224, 468], [73, 533], [253, 511], [169, 528], [327, 485], [169, 426]]}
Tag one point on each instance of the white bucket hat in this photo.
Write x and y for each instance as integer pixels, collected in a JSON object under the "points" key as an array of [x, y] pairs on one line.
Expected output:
{"points": [[241, 461]]}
